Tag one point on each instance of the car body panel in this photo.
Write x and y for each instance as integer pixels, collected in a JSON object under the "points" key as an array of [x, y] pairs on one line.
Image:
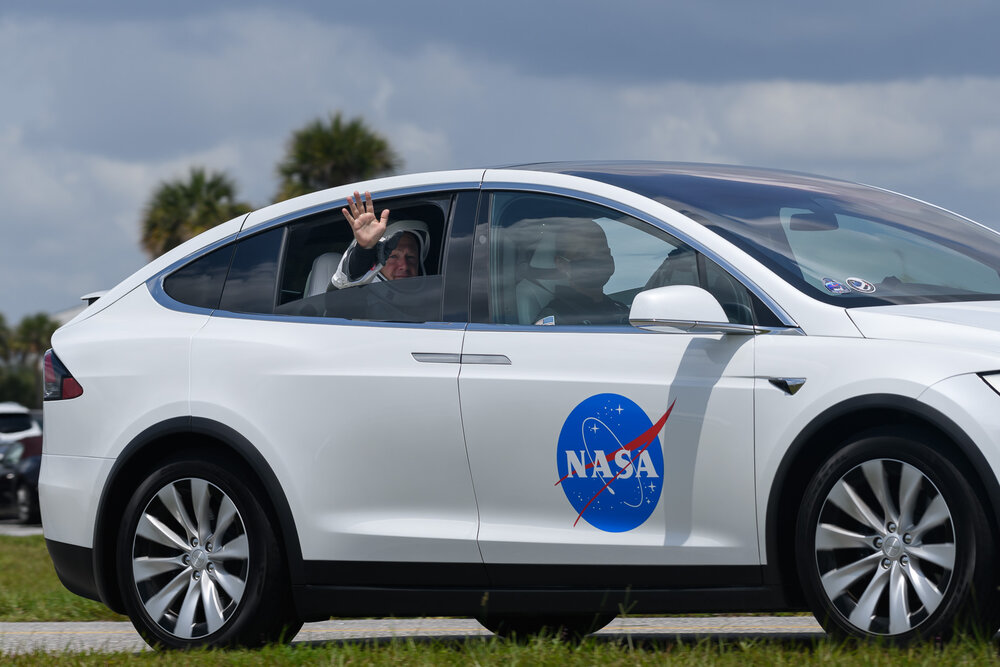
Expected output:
{"points": [[354, 429], [704, 514]]}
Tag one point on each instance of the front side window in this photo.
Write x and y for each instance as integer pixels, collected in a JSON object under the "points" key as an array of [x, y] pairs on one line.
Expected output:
{"points": [[558, 261]]}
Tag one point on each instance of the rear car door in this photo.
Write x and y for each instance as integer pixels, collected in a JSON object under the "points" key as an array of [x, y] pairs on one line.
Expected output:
{"points": [[351, 395]]}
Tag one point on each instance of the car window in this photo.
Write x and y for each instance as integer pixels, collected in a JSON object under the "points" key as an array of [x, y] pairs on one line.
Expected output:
{"points": [[897, 259], [200, 282], [843, 243], [14, 423], [250, 285], [558, 261], [315, 245]]}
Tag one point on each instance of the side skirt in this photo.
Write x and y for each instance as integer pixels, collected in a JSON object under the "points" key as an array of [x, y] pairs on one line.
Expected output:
{"points": [[316, 603]]}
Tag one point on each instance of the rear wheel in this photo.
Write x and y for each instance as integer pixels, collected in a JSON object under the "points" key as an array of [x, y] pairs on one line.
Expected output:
{"points": [[891, 542], [568, 627], [198, 564]]}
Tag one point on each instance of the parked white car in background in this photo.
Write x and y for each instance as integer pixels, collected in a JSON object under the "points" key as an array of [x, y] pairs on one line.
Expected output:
{"points": [[614, 388]]}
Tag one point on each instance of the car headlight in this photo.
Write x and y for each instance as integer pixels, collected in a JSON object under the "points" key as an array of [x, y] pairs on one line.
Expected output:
{"points": [[992, 378]]}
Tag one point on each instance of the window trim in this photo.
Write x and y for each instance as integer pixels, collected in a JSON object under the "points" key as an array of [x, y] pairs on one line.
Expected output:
{"points": [[155, 283]]}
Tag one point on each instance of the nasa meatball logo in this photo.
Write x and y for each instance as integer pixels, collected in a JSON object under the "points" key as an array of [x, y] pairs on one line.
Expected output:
{"points": [[610, 462]]}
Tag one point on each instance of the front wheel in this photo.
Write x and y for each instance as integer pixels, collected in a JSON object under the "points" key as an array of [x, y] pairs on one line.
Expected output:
{"points": [[198, 563], [891, 542]]}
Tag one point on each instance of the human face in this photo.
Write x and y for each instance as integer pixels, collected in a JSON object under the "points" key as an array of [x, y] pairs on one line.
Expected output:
{"points": [[587, 263], [404, 260]]}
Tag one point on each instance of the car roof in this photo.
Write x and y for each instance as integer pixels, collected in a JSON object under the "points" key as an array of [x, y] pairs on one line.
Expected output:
{"points": [[624, 172], [11, 407]]}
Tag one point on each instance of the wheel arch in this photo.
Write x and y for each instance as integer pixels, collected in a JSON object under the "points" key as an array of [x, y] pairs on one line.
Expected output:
{"points": [[824, 434], [159, 442]]}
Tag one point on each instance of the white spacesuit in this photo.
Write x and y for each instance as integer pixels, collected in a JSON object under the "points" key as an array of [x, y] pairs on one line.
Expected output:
{"points": [[360, 266]]}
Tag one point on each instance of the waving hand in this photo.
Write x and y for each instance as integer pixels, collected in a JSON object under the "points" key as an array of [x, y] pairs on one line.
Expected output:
{"points": [[360, 213]]}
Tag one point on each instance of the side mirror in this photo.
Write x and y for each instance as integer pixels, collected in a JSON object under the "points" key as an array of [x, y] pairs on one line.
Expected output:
{"points": [[682, 308]]}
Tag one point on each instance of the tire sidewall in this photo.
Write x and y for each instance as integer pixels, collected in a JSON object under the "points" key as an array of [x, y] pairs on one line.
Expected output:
{"points": [[972, 533], [261, 562]]}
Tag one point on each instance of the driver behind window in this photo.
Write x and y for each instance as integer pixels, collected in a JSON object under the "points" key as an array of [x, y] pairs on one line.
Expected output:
{"points": [[584, 260]]}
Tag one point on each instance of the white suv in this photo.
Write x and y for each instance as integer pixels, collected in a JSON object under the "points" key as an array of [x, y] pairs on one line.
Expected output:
{"points": [[609, 388]]}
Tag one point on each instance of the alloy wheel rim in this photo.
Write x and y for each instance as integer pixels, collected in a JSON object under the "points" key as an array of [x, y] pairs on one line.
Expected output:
{"points": [[190, 558], [885, 547]]}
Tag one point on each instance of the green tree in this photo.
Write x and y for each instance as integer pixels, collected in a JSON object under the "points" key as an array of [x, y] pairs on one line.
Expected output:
{"points": [[5, 341], [21, 350], [324, 154], [182, 209], [32, 337]]}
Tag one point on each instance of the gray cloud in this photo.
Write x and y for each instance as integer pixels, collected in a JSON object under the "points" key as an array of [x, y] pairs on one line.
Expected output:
{"points": [[642, 40], [104, 107]]}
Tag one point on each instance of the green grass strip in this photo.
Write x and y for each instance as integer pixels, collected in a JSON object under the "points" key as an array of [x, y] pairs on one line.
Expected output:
{"points": [[31, 591], [547, 652]]}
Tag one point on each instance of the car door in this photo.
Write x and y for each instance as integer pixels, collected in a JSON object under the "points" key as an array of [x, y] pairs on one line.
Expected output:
{"points": [[351, 395], [595, 445]]}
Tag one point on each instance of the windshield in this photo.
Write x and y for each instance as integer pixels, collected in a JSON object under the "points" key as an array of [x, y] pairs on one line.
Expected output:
{"points": [[840, 242]]}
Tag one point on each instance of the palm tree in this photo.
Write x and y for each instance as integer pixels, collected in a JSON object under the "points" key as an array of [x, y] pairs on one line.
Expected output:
{"points": [[182, 209], [32, 337], [322, 155]]}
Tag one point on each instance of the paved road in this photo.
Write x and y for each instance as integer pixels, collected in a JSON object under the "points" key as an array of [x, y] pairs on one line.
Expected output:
{"points": [[12, 527], [24, 637]]}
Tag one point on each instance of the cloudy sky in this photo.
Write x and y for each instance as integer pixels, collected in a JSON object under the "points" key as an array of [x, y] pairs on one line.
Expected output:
{"points": [[101, 101]]}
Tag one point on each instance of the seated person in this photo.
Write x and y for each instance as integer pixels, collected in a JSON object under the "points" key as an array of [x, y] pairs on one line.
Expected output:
{"points": [[380, 251], [584, 259]]}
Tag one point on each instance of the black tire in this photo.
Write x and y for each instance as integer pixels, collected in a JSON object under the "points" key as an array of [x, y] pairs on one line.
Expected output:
{"points": [[184, 583], [891, 542], [567, 627], [26, 503]]}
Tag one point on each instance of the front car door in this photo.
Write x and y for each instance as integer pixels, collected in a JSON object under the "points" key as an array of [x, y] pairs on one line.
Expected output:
{"points": [[598, 450]]}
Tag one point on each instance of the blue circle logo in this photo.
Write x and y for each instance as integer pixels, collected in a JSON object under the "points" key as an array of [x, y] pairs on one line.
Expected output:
{"points": [[610, 462]]}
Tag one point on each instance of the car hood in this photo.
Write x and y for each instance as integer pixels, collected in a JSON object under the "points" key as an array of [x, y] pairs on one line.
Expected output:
{"points": [[974, 324]]}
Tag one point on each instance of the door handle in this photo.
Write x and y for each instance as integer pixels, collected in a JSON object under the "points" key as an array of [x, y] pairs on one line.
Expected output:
{"points": [[488, 359]]}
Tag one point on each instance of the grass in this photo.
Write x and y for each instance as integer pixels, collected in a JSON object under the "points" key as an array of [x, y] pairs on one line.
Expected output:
{"points": [[31, 591], [544, 652]]}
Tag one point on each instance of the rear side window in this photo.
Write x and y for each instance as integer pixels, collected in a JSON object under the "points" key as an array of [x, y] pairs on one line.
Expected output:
{"points": [[200, 282], [316, 245], [250, 286]]}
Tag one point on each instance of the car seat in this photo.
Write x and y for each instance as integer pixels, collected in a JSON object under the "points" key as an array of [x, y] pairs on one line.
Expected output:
{"points": [[323, 268]]}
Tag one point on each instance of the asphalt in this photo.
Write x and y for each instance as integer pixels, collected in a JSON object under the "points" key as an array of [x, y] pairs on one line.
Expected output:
{"points": [[118, 637], [15, 529]]}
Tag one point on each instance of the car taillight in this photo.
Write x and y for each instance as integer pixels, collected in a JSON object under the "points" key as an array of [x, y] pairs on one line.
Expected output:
{"points": [[59, 383]]}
